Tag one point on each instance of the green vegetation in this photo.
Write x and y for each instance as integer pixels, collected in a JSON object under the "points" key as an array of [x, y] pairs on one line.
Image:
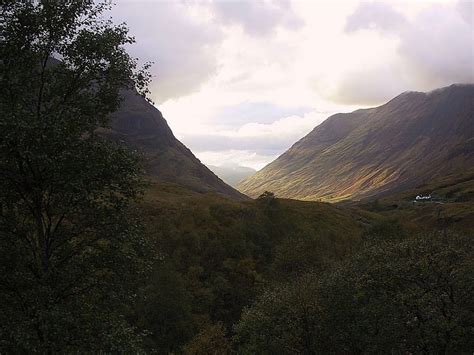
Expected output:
{"points": [[67, 242], [275, 275], [412, 139], [452, 205], [217, 255], [93, 258], [401, 295]]}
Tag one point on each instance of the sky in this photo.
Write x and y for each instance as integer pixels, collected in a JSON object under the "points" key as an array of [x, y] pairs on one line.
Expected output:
{"points": [[239, 82]]}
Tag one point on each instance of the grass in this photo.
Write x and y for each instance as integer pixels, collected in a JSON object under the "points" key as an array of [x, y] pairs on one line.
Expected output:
{"points": [[452, 204]]}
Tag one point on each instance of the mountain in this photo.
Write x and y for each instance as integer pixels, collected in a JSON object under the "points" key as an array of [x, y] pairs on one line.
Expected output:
{"points": [[140, 126], [414, 138], [232, 174]]}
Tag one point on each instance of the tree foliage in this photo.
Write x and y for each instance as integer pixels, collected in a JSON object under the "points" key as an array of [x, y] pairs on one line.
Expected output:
{"points": [[218, 255], [67, 242], [210, 341], [411, 295], [270, 276]]}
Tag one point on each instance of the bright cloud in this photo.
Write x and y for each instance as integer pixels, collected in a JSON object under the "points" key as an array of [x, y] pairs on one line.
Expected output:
{"points": [[235, 158], [434, 48], [256, 17], [241, 81]]}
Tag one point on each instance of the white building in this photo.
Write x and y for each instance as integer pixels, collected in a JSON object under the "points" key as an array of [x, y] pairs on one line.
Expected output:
{"points": [[423, 197]]}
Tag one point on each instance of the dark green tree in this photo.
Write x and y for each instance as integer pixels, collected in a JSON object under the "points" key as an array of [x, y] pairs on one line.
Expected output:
{"points": [[284, 320], [412, 295], [210, 341], [267, 199], [409, 295], [69, 250]]}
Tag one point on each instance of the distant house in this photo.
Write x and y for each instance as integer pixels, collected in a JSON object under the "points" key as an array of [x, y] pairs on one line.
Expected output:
{"points": [[423, 197]]}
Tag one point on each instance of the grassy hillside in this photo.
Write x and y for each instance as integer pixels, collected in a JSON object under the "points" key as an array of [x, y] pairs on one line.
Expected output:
{"points": [[413, 139], [452, 204], [216, 255]]}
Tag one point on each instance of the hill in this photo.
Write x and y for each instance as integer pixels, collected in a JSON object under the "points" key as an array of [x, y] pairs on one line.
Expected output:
{"points": [[451, 205], [217, 254], [141, 126], [411, 140]]}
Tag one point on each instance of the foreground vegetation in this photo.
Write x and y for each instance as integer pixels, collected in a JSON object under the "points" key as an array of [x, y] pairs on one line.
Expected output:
{"points": [[402, 295], [71, 253], [95, 259], [218, 255], [293, 277]]}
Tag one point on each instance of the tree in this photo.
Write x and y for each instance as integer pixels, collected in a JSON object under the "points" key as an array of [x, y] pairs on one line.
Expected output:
{"points": [[284, 320], [210, 341], [267, 198], [411, 295], [68, 244]]}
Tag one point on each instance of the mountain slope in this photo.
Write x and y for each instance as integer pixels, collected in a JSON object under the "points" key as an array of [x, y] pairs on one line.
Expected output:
{"points": [[141, 126], [408, 141]]}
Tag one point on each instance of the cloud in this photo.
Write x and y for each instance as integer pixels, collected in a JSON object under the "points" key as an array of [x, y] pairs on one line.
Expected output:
{"points": [[466, 9], [257, 17], [255, 112], [233, 157], [433, 49], [439, 47], [375, 16], [242, 80], [369, 87], [263, 139], [182, 44], [221, 142], [183, 38]]}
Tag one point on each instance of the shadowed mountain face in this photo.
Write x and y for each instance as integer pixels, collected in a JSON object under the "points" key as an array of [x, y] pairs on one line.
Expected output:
{"points": [[140, 126], [412, 139]]}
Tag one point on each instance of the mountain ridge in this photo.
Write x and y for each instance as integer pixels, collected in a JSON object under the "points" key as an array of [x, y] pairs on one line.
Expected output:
{"points": [[373, 151], [140, 126]]}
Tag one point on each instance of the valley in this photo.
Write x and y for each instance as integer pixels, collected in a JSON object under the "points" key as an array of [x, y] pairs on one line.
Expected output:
{"points": [[414, 138], [117, 238]]}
